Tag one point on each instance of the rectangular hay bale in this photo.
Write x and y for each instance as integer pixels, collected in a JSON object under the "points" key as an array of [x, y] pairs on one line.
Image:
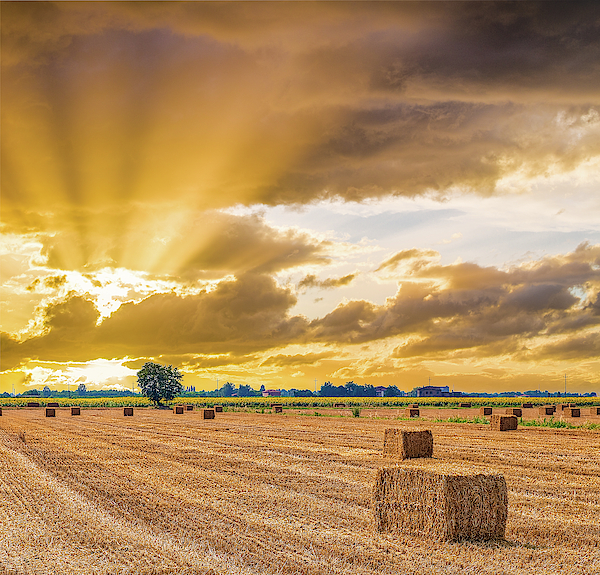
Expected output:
{"points": [[527, 405], [546, 410], [50, 412], [410, 412], [75, 411], [339, 405], [572, 412], [485, 411], [218, 409], [178, 409], [278, 409], [504, 422], [52, 404], [465, 404], [413, 405], [441, 504], [208, 413], [595, 411], [404, 444], [0, 412], [189, 407], [33, 404], [514, 411], [128, 412]]}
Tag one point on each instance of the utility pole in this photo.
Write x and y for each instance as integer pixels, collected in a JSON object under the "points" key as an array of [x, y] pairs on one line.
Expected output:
{"points": [[565, 385], [315, 386]]}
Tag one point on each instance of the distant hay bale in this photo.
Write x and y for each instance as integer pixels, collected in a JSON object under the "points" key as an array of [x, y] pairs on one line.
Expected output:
{"points": [[527, 405], [339, 405], [50, 412], [218, 409], [52, 404], [410, 412], [504, 422], [209, 414], [189, 407], [178, 409], [485, 411], [273, 405], [128, 411], [514, 411], [465, 404], [75, 411], [572, 412], [441, 503], [413, 405], [547, 410], [278, 408], [572, 405], [403, 444], [33, 404]]}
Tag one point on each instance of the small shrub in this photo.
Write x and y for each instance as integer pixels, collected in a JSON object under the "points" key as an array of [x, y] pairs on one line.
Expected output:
{"points": [[356, 412]]}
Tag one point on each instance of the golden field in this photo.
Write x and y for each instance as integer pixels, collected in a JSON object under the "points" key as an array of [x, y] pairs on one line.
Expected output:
{"points": [[252, 493]]}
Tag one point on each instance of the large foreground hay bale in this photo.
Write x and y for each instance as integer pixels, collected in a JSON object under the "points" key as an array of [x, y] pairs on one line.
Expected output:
{"points": [[572, 412], [410, 412], [404, 444], [514, 411], [547, 410], [218, 409], [0, 412], [75, 411], [178, 409], [527, 405], [441, 503], [208, 413], [50, 412], [504, 422], [465, 404], [128, 411], [33, 404], [278, 408], [485, 411]]}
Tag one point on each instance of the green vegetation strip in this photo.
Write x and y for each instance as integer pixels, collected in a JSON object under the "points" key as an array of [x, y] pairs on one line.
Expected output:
{"points": [[303, 402]]}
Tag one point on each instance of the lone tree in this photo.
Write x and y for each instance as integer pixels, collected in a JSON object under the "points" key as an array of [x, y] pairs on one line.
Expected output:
{"points": [[159, 382]]}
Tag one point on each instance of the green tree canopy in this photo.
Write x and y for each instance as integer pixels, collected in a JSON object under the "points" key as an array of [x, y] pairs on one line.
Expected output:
{"points": [[159, 382]]}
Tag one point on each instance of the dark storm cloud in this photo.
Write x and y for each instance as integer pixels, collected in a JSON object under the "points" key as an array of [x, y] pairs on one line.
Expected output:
{"points": [[222, 104]]}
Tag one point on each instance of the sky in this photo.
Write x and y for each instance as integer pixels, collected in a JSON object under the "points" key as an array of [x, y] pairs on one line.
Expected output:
{"points": [[288, 193]]}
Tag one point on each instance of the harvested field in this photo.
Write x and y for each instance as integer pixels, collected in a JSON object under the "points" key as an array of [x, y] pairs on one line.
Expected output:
{"points": [[252, 494]]}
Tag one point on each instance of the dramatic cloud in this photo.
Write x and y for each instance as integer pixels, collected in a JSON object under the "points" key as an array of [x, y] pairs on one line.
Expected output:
{"points": [[157, 158]]}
